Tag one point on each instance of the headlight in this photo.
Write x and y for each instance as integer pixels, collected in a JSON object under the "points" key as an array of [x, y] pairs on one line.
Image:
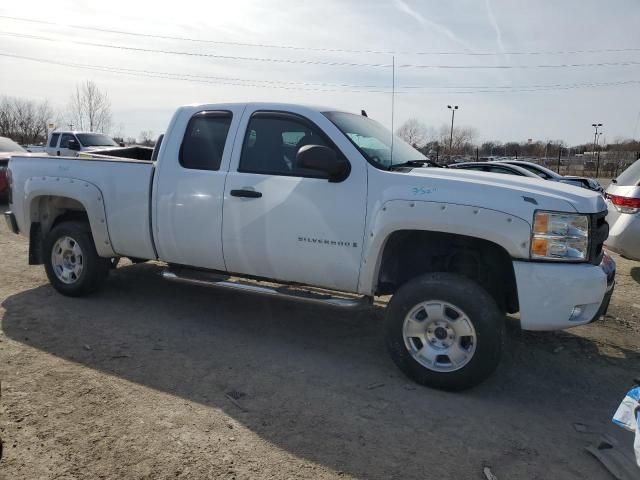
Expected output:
{"points": [[560, 236]]}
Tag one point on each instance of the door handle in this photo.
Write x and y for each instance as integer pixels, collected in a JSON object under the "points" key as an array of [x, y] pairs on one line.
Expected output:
{"points": [[245, 193]]}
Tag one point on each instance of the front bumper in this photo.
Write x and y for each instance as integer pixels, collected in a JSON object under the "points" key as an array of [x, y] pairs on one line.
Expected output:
{"points": [[12, 223], [556, 296]]}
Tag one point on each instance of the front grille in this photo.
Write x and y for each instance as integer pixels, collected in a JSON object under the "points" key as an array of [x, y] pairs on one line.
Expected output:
{"points": [[599, 233]]}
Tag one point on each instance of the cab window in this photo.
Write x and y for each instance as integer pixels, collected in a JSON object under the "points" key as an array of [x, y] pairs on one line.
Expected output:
{"points": [[66, 138], [272, 142], [204, 140], [54, 140]]}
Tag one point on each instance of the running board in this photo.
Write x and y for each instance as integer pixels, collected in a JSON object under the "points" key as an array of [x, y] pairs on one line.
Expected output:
{"points": [[197, 277]]}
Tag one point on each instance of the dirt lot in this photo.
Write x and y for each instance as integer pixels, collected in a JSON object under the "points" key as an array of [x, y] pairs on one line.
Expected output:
{"points": [[150, 379]]}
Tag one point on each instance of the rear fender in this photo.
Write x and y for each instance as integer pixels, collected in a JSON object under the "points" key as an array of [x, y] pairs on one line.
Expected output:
{"points": [[46, 197]]}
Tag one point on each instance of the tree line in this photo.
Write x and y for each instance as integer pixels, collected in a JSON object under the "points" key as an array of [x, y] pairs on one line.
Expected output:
{"points": [[462, 141]]}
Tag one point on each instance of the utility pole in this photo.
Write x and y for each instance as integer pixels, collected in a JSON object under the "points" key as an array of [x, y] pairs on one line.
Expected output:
{"points": [[559, 153], [453, 114]]}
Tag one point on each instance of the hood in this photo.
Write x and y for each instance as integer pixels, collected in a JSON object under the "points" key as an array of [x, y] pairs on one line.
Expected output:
{"points": [[511, 194]]}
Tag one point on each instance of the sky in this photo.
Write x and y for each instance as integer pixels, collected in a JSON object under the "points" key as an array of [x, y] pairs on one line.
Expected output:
{"points": [[543, 70]]}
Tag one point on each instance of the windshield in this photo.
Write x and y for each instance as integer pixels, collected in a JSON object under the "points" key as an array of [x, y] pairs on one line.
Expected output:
{"points": [[631, 176], [95, 140], [7, 145], [373, 140]]}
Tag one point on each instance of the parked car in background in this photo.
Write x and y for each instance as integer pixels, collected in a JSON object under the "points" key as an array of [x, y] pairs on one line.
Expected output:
{"points": [[623, 201], [547, 174], [495, 167], [70, 143], [7, 148]]}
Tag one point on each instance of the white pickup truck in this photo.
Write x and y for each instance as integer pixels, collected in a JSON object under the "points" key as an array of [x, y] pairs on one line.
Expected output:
{"points": [[325, 204]]}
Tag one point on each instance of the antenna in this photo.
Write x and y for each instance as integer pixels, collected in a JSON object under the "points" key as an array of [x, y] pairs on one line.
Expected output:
{"points": [[393, 101]]}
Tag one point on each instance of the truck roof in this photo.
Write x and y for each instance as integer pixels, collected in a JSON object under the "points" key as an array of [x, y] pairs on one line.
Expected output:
{"points": [[267, 105], [78, 131]]}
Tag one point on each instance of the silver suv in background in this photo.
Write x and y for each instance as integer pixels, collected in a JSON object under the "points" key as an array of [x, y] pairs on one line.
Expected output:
{"points": [[623, 201]]}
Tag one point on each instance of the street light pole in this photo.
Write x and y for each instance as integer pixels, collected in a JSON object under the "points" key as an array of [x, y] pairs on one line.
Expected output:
{"points": [[453, 114], [595, 135], [598, 154], [595, 141]]}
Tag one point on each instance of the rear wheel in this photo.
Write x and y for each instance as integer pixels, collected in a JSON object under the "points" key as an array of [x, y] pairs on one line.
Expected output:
{"points": [[444, 331], [71, 261]]}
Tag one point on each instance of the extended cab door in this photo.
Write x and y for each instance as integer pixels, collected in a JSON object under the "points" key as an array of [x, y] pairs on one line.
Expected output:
{"points": [[189, 187], [283, 222]]}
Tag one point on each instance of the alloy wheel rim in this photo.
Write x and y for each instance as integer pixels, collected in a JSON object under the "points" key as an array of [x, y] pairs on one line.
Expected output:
{"points": [[67, 260], [439, 336]]}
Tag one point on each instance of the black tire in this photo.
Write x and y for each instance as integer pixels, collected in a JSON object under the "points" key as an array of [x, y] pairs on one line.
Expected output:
{"points": [[481, 310], [94, 268]]}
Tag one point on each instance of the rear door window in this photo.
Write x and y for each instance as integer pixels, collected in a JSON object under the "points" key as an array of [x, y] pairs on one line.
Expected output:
{"points": [[54, 140], [204, 140]]}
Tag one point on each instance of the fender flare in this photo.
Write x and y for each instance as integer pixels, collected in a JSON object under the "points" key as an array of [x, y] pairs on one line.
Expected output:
{"points": [[507, 231], [83, 192]]}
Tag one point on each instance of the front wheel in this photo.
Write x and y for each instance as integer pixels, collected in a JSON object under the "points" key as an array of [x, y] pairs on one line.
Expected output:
{"points": [[71, 261], [444, 331]]}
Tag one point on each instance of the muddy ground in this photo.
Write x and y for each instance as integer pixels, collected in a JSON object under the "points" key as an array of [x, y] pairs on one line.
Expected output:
{"points": [[150, 379]]}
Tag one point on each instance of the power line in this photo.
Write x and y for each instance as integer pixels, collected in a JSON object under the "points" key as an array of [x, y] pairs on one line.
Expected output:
{"points": [[301, 86], [318, 62], [195, 54], [183, 77], [316, 49]]}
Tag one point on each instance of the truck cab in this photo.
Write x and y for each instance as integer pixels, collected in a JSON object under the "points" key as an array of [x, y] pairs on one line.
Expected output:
{"points": [[71, 143]]}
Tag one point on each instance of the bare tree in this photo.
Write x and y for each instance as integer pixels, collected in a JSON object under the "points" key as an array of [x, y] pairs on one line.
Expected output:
{"points": [[90, 108], [24, 120], [118, 133], [463, 138], [414, 132], [146, 138]]}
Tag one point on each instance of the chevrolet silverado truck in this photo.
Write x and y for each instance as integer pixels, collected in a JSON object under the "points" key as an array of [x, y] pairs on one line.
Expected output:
{"points": [[332, 209]]}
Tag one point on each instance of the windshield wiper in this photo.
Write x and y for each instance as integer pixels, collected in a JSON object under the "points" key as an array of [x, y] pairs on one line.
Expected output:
{"points": [[416, 163]]}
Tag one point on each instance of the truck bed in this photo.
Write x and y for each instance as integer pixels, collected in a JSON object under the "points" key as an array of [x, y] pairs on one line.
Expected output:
{"points": [[135, 152], [125, 186]]}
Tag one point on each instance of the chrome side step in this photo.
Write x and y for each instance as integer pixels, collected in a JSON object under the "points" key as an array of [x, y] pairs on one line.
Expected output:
{"points": [[197, 277]]}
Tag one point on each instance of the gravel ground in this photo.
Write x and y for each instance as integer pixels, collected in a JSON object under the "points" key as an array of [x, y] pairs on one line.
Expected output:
{"points": [[149, 379]]}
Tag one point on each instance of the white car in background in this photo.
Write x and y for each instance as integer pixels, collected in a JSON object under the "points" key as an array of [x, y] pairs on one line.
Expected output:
{"points": [[623, 201], [70, 143]]}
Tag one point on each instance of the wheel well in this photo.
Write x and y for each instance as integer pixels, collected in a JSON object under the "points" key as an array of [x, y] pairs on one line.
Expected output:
{"points": [[409, 253], [46, 212]]}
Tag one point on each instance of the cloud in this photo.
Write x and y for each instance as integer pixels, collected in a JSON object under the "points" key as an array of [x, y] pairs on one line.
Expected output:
{"points": [[494, 24], [421, 19]]}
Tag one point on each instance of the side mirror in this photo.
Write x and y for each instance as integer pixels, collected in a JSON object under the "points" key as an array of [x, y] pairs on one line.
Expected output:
{"points": [[73, 145], [322, 159]]}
